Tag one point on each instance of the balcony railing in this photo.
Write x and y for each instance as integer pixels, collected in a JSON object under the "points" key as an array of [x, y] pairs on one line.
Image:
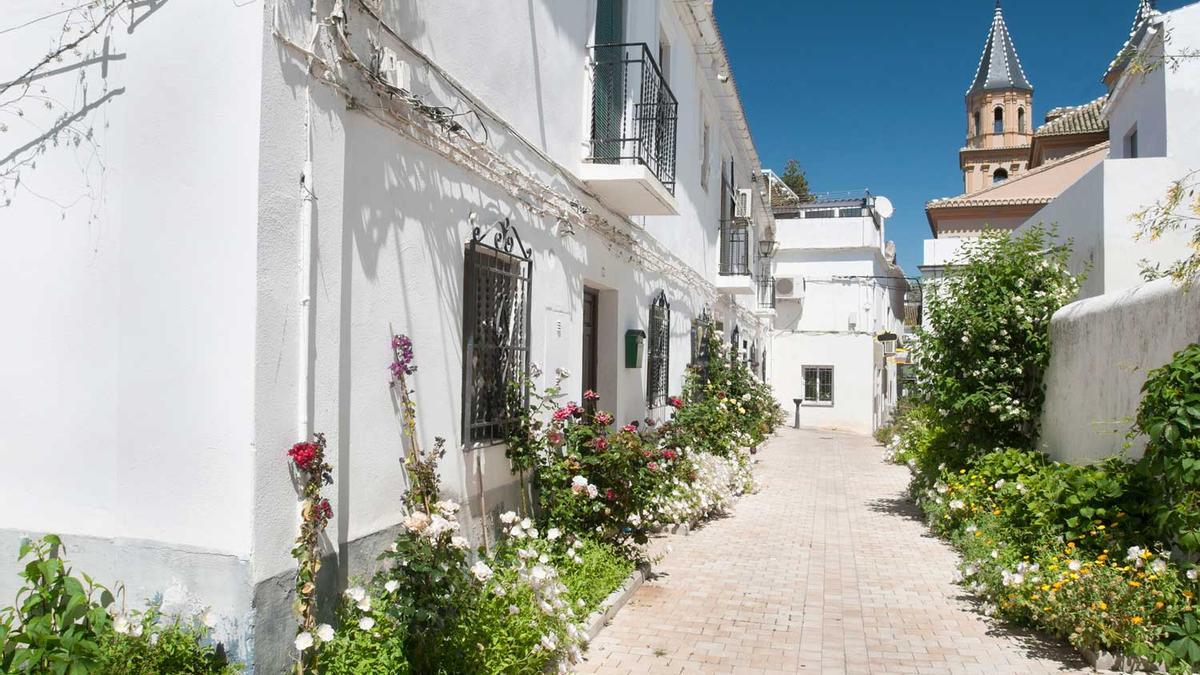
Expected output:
{"points": [[766, 292], [634, 113], [735, 249]]}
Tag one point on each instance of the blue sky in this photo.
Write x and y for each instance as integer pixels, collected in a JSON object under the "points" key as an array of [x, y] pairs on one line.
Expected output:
{"points": [[869, 93]]}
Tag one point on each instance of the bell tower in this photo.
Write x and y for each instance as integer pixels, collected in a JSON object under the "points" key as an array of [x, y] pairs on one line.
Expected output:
{"points": [[999, 113]]}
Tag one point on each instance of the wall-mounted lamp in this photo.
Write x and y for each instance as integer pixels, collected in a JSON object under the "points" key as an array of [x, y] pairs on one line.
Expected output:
{"points": [[767, 247]]}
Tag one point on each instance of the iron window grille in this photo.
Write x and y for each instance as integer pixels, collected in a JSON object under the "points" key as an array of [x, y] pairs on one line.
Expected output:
{"points": [[818, 385], [658, 363], [734, 341], [498, 272], [634, 113], [735, 249]]}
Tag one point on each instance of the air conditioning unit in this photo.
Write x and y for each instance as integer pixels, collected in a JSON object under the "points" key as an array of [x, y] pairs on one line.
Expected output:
{"points": [[394, 70], [741, 210], [790, 288]]}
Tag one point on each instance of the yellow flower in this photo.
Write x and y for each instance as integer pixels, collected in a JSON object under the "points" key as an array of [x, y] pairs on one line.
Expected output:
{"points": [[1103, 605], [1158, 605], [1187, 594], [1135, 620], [1135, 584], [1099, 527]]}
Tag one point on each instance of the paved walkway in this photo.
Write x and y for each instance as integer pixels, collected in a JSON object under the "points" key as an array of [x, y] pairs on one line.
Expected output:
{"points": [[827, 569]]}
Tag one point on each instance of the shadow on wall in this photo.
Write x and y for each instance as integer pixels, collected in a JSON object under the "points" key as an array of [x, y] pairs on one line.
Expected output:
{"points": [[40, 121]]}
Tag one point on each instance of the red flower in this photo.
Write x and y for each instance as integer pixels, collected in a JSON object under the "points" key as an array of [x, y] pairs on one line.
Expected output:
{"points": [[629, 428], [647, 454], [601, 443], [303, 455], [604, 418], [610, 495], [555, 438], [590, 395], [669, 454], [653, 466], [676, 402], [324, 510]]}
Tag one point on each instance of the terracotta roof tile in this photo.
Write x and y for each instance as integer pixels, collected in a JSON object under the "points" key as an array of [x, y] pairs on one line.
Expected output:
{"points": [[1083, 119]]}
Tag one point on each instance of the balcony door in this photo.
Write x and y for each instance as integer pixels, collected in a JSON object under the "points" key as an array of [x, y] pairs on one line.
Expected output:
{"points": [[608, 99]]}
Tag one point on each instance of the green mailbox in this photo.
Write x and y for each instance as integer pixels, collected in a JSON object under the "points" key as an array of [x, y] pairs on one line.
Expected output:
{"points": [[635, 341]]}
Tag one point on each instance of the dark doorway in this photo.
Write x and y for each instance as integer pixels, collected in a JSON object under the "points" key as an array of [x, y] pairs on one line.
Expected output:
{"points": [[591, 314]]}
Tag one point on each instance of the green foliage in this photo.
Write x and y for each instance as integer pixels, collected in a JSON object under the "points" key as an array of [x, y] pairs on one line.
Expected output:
{"points": [[982, 357], [65, 624], [1169, 416], [163, 645], [601, 569], [797, 181], [355, 651], [58, 621]]}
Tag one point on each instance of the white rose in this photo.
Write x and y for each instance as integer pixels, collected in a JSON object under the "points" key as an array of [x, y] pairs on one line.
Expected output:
{"points": [[303, 641], [324, 632], [366, 623]]}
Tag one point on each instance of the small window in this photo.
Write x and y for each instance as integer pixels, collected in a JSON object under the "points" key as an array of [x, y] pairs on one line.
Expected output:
{"points": [[705, 140], [821, 213], [496, 284], [1131, 144], [998, 121], [664, 56], [818, 385], [855, 212], [658, 361], [978, 128], [999, 176], [1021, 120]]}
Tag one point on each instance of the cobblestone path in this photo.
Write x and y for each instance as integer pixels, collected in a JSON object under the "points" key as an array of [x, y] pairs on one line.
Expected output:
{"points": [[827, 569]]}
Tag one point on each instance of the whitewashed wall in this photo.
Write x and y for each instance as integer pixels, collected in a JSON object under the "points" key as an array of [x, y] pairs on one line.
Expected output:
{"points": [[127, 279], [1102, 348]]}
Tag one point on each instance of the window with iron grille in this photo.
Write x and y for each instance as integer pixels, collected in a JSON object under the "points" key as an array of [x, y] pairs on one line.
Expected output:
{"points": [[496, 313], [818, 384], [658, 362]]}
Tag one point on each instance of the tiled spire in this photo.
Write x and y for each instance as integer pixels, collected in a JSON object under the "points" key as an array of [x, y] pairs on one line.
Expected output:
{"points": [[999, 66], [1146, 11]]}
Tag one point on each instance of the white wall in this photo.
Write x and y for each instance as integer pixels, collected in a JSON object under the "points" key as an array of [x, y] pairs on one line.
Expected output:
{"points": [[1101, 351], [128, 268], [852, 359]]}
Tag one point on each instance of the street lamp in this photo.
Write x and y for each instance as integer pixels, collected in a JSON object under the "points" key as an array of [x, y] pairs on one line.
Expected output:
{"points": [[767, 247]]}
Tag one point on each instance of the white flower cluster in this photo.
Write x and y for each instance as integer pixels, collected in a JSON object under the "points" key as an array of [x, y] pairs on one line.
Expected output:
{"points": [[436, 527], [718, 482], [535, 571], [580, 485]]}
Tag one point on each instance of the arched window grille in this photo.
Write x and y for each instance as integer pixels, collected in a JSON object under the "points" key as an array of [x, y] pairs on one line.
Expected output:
{"points": [[998, 121], [498, 271], [1021, 120], [999, 176], [658, 361]]}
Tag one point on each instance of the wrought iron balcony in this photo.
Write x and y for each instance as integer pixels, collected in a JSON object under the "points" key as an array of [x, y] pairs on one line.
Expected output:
{"points": [[766, 292], [634, 113], [735, 249]]}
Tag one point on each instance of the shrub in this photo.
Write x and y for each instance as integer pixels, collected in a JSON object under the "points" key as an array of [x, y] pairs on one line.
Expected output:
{"points": [[62, 623], [981, 360], [1169, 415]]}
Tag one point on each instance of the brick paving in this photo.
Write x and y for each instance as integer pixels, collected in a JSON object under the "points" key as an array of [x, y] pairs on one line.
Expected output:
{"points": [[826, 569]]}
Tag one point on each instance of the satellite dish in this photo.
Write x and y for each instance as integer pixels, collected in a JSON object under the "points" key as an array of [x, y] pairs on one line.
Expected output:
{"points": [[883, 206]]}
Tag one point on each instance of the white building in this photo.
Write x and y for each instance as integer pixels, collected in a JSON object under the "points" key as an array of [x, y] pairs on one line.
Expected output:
{"points": [[840, 303], [238, 203], [1154, 140]]}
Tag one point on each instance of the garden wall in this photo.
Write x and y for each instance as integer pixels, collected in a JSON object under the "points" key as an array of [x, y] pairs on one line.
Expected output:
{"points": [[1102, 348]]}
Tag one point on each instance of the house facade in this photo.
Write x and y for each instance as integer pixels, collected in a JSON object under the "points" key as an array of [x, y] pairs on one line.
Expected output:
{"points": [[840, 312], [1153, 141], [310, 180]]}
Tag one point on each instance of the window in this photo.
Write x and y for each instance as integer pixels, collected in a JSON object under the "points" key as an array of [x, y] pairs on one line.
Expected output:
{"points": [[1021, 120], [978, 128], [821, 213], [818, 385], [658, 361], [705, 139], [1131, 144], [664, 56], [999, 176], [496, 316], [855, 212], [998, 121]]}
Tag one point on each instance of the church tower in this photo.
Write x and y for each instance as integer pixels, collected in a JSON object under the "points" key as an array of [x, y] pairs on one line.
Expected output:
{"points": [[999, 113]]}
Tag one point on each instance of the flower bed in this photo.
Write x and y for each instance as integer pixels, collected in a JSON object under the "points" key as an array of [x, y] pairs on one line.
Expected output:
{"points": [[1098, 555]]}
